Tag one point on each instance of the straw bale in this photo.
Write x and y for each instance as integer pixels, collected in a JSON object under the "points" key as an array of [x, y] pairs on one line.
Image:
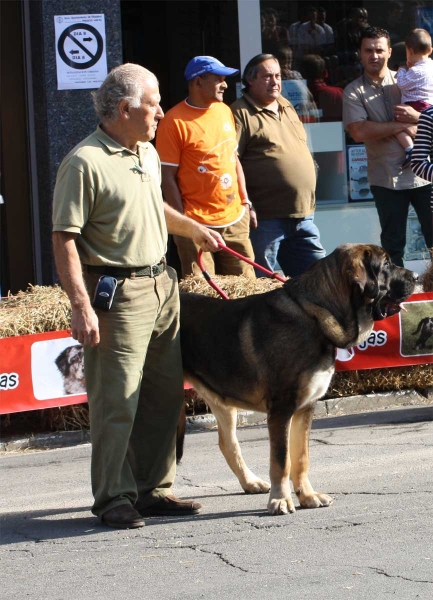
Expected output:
{"points": [[370, 381], [235, 286], [41, 309], [63, 418], [37, 310], [68, 418]]}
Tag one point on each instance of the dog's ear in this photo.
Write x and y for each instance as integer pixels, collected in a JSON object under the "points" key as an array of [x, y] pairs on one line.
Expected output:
{"points": [[363, 275], [62, 361], [372, 287]]}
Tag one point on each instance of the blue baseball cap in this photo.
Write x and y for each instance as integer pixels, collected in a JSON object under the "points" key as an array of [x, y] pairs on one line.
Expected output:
{"points": [[206, 64]]}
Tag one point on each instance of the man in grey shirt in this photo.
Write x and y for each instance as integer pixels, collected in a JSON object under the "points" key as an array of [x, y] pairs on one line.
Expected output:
{"points": [[372, 114]]}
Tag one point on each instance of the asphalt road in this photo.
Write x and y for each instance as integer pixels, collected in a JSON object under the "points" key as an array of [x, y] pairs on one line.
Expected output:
{"points": [[375, 541]]}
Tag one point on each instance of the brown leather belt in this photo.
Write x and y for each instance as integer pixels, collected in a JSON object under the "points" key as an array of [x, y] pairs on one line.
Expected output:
{"points": [[123, 273]]}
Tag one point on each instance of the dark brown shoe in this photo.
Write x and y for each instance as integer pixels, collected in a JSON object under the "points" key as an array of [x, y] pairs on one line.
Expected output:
{"points": [[170, 506], [122, 517]]}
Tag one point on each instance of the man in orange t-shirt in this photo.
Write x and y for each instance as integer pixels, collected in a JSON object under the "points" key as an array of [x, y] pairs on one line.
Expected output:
{"points": [[201, 173]]}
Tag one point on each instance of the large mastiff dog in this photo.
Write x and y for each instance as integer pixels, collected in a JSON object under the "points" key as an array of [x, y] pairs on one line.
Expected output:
{"points": [[275, 353]]}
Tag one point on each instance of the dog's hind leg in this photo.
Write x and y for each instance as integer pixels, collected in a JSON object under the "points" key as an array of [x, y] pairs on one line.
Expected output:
{"points": [[300, 460], [229, 446]]}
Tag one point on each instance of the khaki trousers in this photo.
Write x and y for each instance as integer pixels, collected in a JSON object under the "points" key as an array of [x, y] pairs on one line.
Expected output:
{"points": [[135, 391], [237, 237]]}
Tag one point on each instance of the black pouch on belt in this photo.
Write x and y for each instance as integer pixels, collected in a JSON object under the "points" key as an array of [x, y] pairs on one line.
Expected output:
{"points": [[104, 293]]}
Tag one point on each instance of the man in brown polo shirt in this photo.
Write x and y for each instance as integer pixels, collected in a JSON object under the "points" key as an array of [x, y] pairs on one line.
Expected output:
{"points": [[279, 171], [372, 114]]}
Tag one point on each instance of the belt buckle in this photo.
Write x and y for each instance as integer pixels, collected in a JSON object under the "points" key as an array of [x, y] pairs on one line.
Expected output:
{"points": [[154, 270]]}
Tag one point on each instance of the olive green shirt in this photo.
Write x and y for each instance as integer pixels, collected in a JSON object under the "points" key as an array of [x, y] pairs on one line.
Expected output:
{"points": [[278, 166], [116, 208], [365, 100]]}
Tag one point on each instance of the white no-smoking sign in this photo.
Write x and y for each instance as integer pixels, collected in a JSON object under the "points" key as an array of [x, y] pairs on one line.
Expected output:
{"points": [[80, 51]]}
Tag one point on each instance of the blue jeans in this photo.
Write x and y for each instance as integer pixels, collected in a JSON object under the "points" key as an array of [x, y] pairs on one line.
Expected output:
{"points": [[293, 243]]}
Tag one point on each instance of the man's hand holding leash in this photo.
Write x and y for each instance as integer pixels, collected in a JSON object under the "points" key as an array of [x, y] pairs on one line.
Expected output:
{"points": [[179, 224]]}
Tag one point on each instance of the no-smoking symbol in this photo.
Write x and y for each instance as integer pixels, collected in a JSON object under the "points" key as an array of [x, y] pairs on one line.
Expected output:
{"points": [[80, 46]]}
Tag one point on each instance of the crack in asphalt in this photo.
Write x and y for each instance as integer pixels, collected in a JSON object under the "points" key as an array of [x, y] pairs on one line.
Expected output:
{"points": [[337, 526], [20, 550], [399, 493], [220, 555], [383, 572], [188, 482], [227, 562], [270, 526], [376, 445], [223, 559]]}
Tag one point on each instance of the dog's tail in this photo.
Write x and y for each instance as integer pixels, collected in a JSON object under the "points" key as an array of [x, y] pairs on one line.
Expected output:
{"points": [[180, 439], [420, 324]]}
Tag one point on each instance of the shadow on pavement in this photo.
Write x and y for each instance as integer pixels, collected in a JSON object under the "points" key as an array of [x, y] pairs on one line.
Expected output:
{"points": [[380, 417], [33, 527]]}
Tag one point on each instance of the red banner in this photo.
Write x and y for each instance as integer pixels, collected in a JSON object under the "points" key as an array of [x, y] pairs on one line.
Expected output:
{"points": [[40, 371], [46, 370], [404, 339]]}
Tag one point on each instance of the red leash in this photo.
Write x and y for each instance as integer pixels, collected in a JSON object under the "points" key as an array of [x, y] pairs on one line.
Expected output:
{"points": [[241, 257]]}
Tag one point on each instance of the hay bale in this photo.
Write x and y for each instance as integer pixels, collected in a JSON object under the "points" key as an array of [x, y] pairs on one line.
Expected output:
{"points": [[74, 417], [37, 310], [235, 286], [41, 309], [371, 381]]}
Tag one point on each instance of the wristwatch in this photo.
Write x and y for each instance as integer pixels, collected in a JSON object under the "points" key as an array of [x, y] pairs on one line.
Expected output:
{"points": [[246, 201]]}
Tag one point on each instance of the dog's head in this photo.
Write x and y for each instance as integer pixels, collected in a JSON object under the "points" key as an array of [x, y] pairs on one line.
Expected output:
{"points": [[376, 280], [70, 362], [349, 289]]}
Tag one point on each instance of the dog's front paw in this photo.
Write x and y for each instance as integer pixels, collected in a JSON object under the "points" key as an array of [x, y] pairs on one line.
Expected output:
{"points": [[256, 486], [314, 500], [281, 506]]}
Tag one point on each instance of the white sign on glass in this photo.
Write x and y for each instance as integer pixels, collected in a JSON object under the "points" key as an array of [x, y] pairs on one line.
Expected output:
{"points": [[357, 163]]}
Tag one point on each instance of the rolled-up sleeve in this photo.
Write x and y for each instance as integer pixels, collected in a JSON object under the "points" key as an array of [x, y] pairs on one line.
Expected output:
{"points": [[353, 108], [73, 198]]}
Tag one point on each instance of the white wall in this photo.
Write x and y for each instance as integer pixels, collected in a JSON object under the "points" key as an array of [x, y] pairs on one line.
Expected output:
{"points": [[343, 223], [356, 223], [250, 34]]}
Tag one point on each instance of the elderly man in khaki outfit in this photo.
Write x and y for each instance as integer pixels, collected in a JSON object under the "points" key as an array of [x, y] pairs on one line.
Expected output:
{"points": [[109, 219]]}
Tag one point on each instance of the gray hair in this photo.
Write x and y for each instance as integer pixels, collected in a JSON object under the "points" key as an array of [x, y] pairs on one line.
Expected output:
{"points": [[125, 82]]}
